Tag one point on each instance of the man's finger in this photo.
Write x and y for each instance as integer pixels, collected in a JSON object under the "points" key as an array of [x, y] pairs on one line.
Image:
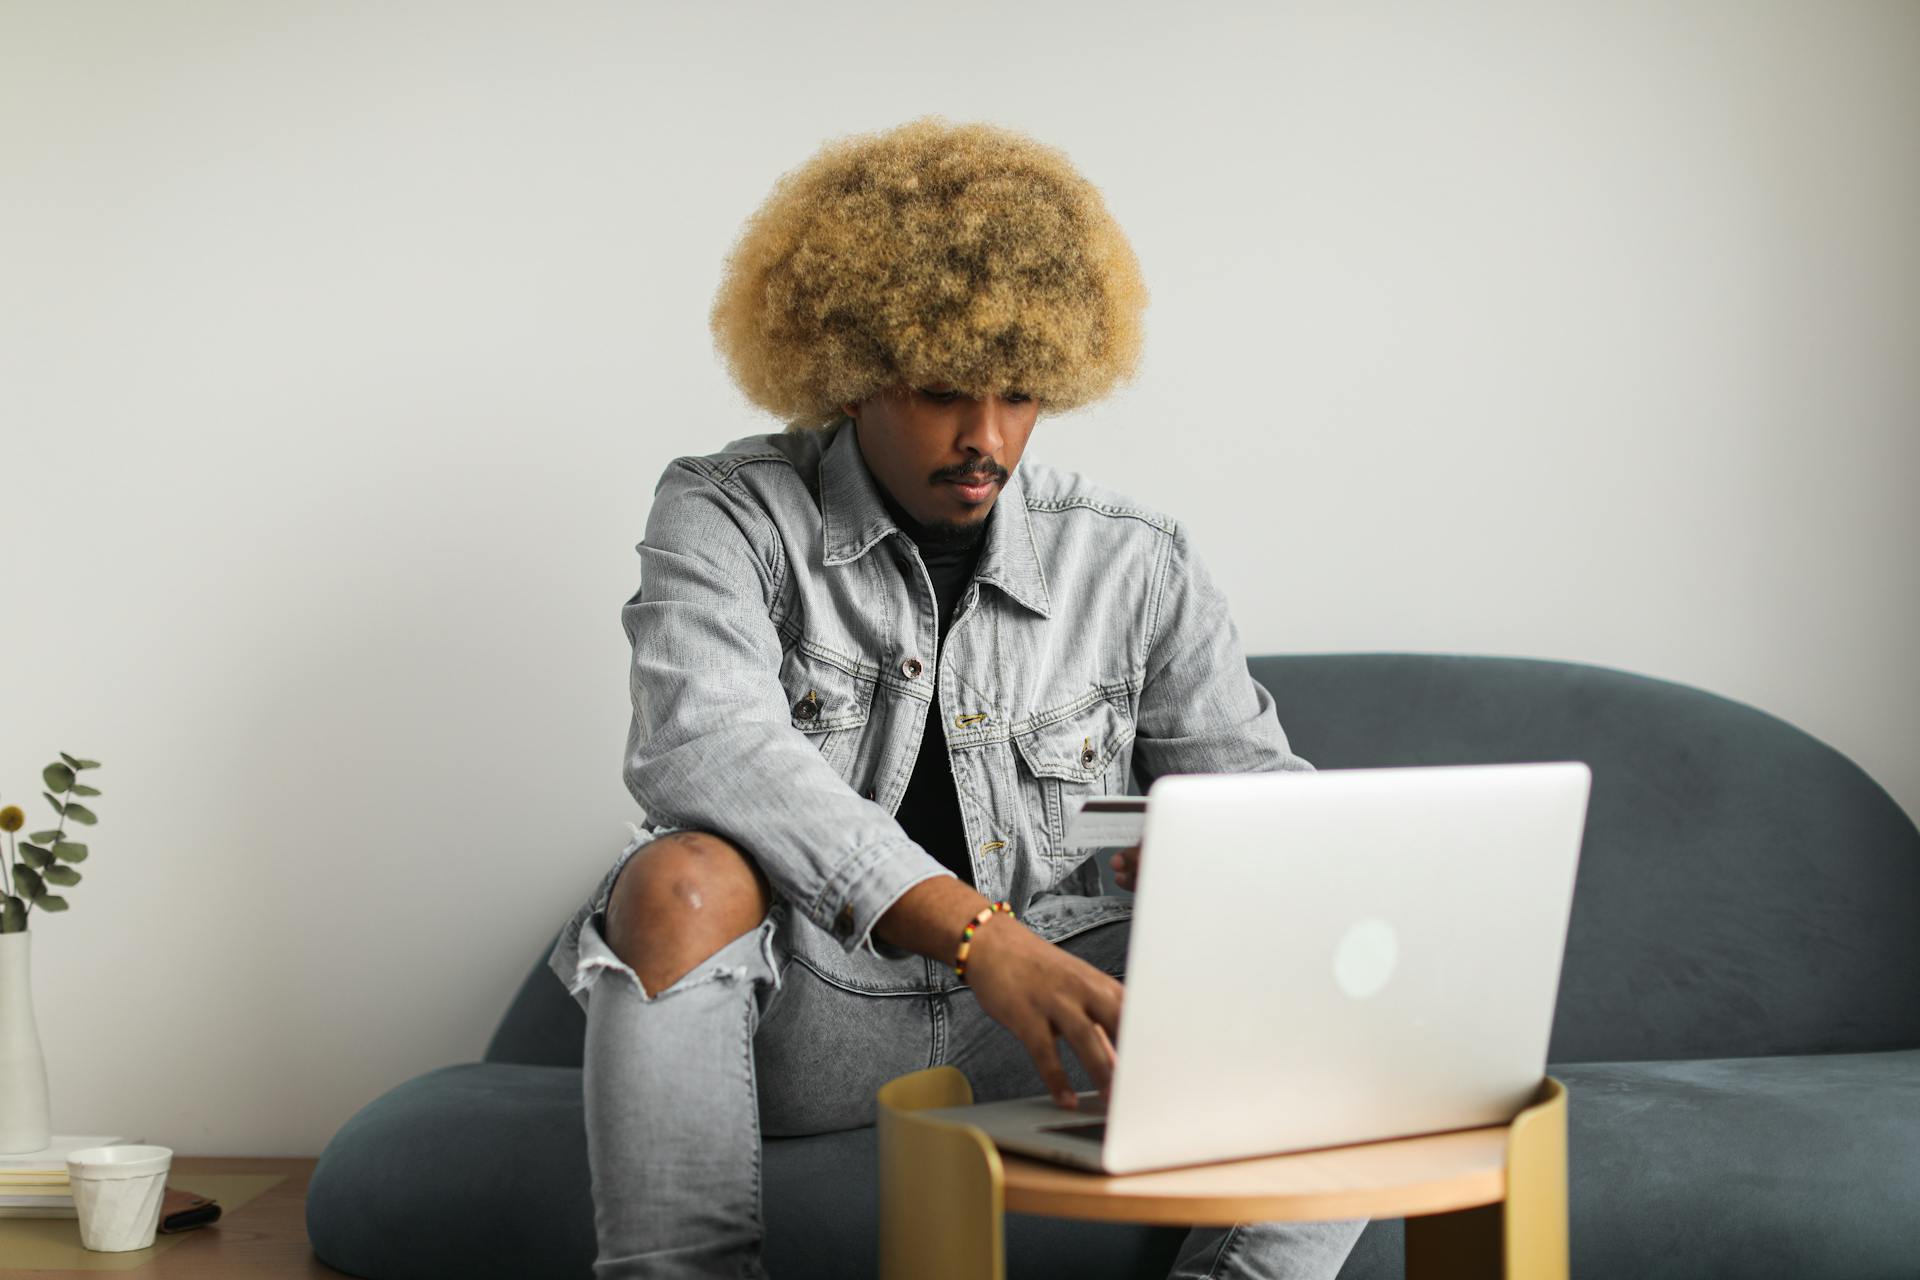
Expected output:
{"points": [[1046, 1056], [1106, 1012], [1106, 1087], [1095, 1051]]}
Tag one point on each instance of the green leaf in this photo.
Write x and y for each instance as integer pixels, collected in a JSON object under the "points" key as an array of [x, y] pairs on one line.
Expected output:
{"points": [[14, 918], [68, 851], [50, 902], [79, 764], [62, 875], [27, 882], [45, 837], [57, 806], [35, 855], [82, 789], [57, 776], [81, 814]]}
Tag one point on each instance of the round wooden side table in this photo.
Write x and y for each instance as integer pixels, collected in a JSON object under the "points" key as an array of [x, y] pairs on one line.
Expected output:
{"points": [[1477, 1202]]}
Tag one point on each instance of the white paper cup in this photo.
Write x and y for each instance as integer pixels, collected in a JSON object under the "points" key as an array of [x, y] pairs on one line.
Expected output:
{"points": [[116, 1191]]}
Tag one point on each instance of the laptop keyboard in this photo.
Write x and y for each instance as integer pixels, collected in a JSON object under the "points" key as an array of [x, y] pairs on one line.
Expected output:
{"points": [[1095, 1131]]}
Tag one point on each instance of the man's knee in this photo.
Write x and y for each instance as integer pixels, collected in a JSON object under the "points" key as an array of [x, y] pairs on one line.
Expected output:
{"points": [[682, 892]]}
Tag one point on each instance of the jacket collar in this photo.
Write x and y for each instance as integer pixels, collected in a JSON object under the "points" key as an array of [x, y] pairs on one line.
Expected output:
{"points": [[854, 519]]}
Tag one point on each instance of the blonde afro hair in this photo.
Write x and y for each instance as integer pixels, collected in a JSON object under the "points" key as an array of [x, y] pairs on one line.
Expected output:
{"points": [[933, 252]]}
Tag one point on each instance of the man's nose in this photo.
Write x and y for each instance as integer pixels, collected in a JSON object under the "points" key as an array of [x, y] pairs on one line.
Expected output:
{"points": [[983, 426]]}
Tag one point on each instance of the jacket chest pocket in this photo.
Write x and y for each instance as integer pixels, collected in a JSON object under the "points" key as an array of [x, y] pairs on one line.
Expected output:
{"points": [[829, 704], [1066, 758]]}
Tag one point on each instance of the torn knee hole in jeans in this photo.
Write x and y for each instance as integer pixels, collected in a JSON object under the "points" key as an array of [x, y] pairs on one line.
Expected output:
{"points": [[590, 971], [596, 957]]}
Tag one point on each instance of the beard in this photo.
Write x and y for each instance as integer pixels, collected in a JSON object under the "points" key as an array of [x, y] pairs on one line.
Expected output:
{"points": [[953, 535]]}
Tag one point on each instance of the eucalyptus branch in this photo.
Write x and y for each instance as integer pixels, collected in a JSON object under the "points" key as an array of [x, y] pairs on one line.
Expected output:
{"points": [[59, 830], [46, 850]]}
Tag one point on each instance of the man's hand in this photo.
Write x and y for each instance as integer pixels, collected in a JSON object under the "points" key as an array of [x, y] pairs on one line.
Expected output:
{"points": [[1043, 994], [1034, 989], [1126, 867]]}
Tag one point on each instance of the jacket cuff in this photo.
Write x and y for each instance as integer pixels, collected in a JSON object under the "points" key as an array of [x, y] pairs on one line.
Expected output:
{"points": [[873, 881]]}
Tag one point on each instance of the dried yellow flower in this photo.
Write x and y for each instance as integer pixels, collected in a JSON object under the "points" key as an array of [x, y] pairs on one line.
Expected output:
{"points": [[12, 818]]}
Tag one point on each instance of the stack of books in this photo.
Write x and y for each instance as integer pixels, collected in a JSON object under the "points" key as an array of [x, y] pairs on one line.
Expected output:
{"points": [[33, 1184]]}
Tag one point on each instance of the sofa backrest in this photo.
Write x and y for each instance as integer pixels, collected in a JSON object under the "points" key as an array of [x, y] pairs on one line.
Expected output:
{"points": [[1743, 889]]}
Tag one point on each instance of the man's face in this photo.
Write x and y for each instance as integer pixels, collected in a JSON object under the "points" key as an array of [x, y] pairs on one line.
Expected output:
{"points": [[942, 456]]}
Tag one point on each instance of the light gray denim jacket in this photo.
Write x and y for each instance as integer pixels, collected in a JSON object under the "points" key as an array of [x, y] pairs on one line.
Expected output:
{"points": [[785, 652]]}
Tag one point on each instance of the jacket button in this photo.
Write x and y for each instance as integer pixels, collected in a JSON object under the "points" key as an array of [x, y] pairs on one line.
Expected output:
{"points": [[807, 708], [1087, 756], [911, 668]]}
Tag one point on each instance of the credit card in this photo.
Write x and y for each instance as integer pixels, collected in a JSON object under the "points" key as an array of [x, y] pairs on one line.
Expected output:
{"points": [[1107, 822]]}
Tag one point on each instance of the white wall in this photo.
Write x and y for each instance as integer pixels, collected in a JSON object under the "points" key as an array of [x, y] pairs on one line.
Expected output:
{"points": [[341, 345]]}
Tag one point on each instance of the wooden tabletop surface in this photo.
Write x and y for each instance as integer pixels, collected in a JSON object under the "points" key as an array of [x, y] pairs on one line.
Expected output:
{"points": [[264, 1239], [1434, 1173]]}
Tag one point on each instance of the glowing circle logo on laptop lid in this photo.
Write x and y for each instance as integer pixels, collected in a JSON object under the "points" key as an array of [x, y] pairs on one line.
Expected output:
{"points": [[1366, 957]]}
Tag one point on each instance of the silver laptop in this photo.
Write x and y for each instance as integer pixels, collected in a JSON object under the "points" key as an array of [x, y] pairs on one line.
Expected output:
{"points": [[1328, 957]]}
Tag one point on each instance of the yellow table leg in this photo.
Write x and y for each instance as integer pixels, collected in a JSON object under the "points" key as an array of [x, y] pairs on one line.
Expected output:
{"points": [[1536, 1216], [1526, 1237], [942, 1196]]}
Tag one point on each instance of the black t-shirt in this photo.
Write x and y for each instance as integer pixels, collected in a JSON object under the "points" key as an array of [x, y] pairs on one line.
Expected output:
{"points": [[930, 811]]}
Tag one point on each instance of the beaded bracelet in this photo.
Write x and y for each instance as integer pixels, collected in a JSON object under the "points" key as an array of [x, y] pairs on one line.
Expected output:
{"points": [[966, 936]]}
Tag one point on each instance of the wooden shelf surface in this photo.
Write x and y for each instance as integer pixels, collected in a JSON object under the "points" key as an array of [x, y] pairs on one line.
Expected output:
{"points": [[264, 1239]]}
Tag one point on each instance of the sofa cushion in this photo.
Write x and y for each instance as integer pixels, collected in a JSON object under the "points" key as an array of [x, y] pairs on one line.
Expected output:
{"points": [[479, 1170], [1782, 1166], [1732, 1166]]}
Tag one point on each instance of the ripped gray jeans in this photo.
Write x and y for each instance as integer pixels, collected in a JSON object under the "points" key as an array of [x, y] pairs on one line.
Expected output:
{"points": [[681, 1085]]}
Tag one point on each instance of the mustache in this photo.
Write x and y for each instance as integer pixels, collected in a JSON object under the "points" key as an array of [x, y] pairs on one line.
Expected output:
{"points": [[987, 470]]}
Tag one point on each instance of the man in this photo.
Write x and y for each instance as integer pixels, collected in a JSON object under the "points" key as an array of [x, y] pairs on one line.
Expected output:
{"points": [[877, 663]]}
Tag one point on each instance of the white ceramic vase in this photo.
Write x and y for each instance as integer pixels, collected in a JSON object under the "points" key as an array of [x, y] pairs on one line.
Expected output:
{"points": [[24, 1112]]}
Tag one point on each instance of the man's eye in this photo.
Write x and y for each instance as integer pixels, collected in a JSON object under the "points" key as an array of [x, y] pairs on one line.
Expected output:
{"points": [[948, 397]]}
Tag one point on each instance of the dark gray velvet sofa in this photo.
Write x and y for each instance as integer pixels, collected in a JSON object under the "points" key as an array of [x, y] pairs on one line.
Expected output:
{"points": [[1738, 1023]]}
